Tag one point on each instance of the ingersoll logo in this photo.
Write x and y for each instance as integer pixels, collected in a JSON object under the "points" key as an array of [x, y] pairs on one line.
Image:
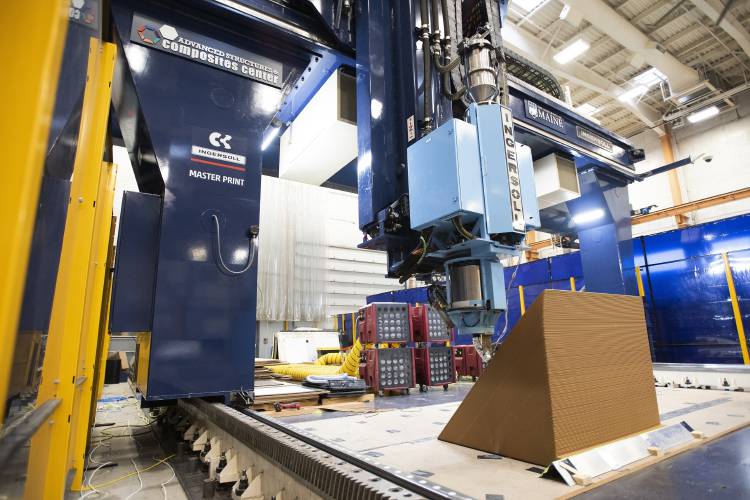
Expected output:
{"points": [[514, 176]]}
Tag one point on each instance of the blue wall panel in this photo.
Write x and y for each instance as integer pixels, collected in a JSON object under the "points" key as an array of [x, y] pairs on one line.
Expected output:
{"points": [[688, 307]]}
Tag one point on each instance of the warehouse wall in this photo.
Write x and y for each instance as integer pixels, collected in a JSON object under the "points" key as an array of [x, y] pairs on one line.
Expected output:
{"points": [[353, 273], [727, 139]]}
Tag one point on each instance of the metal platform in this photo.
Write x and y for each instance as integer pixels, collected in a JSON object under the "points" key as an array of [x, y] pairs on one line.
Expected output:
{"points": [[397, 443], [729, 377]]}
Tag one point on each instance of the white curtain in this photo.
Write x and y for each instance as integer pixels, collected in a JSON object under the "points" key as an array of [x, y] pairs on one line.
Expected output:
{"points": [[292, 272]]}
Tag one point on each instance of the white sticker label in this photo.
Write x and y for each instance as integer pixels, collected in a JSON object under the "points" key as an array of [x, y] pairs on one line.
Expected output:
{"points": [[215, 154], [514, 176], [411, 132]]}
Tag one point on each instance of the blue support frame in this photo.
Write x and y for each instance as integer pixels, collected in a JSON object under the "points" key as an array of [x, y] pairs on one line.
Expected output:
{"points": [[203, 326]]}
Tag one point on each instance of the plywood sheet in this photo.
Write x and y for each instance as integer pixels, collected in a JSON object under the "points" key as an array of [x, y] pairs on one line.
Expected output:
{"points": [[416, 450]]}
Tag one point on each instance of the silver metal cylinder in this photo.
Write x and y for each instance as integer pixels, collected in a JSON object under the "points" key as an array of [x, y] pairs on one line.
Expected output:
{"points": [[466, 285], [482, 76]]}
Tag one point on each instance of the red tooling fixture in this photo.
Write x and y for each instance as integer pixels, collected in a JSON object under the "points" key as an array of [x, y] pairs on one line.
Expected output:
{"points": [[468, 361], [434, 366], [428, 325], [385, 322], [388, 369]]}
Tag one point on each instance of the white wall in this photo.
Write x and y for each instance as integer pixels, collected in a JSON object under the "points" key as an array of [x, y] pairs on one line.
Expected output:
{"points": [[125, 180], [353, 273], [727, 139]]}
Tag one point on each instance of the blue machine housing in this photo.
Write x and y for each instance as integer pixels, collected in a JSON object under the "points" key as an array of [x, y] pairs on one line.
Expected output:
{"points": [[173, 110], [445, 175]]}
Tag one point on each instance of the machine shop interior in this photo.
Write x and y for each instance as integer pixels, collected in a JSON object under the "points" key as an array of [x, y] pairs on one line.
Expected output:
{"points": [[375, 249]]}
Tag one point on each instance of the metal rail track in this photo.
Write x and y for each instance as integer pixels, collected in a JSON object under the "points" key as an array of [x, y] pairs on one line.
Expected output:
{"points": [[325, 468]]}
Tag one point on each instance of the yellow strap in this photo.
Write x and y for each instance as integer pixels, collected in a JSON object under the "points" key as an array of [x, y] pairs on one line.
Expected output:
{"points": [[736, 310], [639, 279]]}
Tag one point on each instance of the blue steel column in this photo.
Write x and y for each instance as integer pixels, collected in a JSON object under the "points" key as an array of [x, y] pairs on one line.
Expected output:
{"points": [[606, 244], [386, 98]]}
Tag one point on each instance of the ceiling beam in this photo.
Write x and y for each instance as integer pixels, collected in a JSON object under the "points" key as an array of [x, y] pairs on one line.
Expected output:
{"points": [[609, 21], [533, 49], [650, 10], [712, 9]]}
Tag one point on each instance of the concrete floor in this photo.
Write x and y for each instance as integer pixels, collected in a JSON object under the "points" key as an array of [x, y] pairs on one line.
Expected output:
{"points": [[718, 470], [129, 443]]}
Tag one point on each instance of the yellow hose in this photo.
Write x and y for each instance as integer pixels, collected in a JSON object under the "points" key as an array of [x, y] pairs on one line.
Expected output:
{"points": [[301, 371], [332, 358], [322, 366], [351, 363]]}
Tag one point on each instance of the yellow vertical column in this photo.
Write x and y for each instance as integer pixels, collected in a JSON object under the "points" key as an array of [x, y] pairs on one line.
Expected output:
{"points": [[102, 347], [521, 300], [92, 316], [354, 326], [572, 284], [639, 279], [48, 458], [736, 310], [28, 90]]}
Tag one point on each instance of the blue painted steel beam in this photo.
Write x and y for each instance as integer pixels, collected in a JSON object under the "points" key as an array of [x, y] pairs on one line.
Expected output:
{"points": [[313, 77]]}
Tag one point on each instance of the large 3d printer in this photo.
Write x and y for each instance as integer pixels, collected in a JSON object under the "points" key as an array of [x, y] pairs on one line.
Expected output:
{"points": [[451, 127]]}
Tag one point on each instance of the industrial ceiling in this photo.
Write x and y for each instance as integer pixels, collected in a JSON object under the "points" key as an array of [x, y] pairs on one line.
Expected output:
{"points": [[700, 49]]}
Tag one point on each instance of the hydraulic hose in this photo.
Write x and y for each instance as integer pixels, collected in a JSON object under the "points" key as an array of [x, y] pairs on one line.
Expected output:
{"points": [[427, 61], [252, 251], [458, 94], [444, 68], [435, 23], [446, 22]]}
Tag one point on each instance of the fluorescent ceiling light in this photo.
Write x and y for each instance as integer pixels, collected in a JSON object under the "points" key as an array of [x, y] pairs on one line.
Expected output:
{"points": [[270, 136], [631, 94], [527, 5], [586, 109], [650, 77], [565, 11], [573, 50], [589, 216], [703, 114]]}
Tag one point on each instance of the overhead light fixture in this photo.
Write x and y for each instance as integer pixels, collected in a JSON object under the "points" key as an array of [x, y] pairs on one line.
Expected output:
{"points": [[527, 5], [589, 216], [703, 114], [650, 77], [565, 11], [631, 94], [586, 109], [573, 50], [270, 136]]}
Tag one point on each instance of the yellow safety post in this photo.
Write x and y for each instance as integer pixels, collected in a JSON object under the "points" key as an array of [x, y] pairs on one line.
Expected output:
{"points": [[736, 310], [639, 279], [354, 326], [31, 47], [92, 318], [48, 459], [572, 284], [102, 347], [521, 300]]}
